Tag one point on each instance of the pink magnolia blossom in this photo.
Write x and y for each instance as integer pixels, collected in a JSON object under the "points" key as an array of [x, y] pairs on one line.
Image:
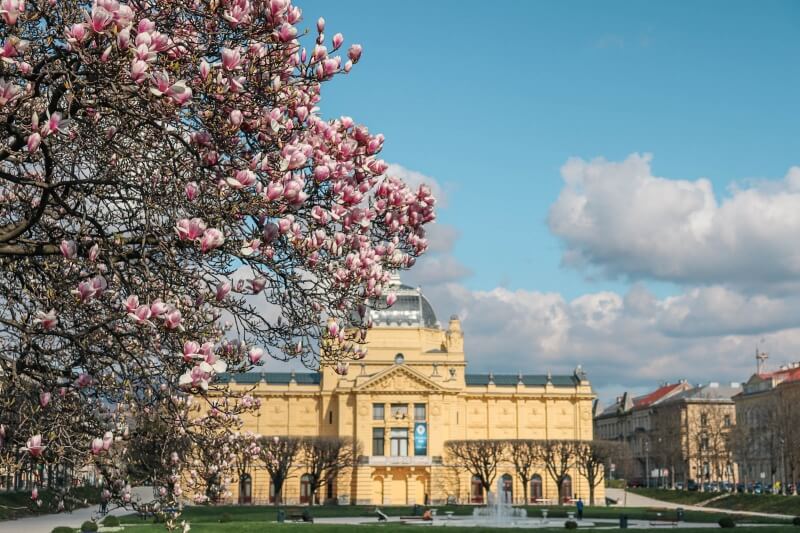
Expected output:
{"points": [[235, 117], [34, 140], [85, 291], [132, 303], [158, 308], [173, 319], [354, 53], [212, 238], [84, 380], [222, 290], [34, 446], [231, 58], [192, 190], [68, 249], [190, 229], [391, 298], [96, 446], [99, 19], [141, 315], [44, 398], [255, 355], [35, 494], [338, 39], [48, 320], [257, 285], [8, 92], [10, 10], [94, 251]]}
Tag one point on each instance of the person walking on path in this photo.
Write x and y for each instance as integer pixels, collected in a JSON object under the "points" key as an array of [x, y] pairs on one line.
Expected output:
{"points": [[579, 506]]}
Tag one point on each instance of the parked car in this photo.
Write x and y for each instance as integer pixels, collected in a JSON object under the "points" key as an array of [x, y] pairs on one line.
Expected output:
{"points": [[691, 485]]}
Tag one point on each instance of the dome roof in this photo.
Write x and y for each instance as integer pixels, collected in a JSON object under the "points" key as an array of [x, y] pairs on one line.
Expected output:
{"points": [[411, 309]]}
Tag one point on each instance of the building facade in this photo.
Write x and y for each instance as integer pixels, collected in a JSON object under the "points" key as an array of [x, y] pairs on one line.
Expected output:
{"points": [[691, 436], [410, 395], [768, 429], [629, 421]]}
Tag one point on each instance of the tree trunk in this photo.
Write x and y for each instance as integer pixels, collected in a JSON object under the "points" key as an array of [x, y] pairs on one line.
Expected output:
{"points": [[591, 492], [525, 491]]}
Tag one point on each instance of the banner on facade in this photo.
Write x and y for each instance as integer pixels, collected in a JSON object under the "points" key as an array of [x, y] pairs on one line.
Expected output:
{"points": [[420, 438]]}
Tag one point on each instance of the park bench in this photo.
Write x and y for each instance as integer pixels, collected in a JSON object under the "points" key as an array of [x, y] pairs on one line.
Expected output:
{"points": [[146, 510], [299, 514]]}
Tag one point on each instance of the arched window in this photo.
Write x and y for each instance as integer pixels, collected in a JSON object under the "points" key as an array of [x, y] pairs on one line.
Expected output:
{"points": [[476, 490], [246, 489], [305, 488], [507, 489], [566, 488], [536, 488]]}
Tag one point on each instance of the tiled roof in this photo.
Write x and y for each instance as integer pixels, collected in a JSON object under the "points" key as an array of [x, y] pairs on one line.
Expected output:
{"points": [[511, 380], [656, 395], [273, 378], [707, 392]]}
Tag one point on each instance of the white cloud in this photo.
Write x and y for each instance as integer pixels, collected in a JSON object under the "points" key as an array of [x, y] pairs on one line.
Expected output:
{"points": [[633, 338], [619, 218]]}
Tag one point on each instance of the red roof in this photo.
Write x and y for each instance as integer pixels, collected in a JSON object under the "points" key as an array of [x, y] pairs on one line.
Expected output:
{"points": [[783, 376], [653, 397]]}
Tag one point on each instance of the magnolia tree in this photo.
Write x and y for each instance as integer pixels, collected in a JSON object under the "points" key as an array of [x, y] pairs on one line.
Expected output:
{"points": [[172, 206]]}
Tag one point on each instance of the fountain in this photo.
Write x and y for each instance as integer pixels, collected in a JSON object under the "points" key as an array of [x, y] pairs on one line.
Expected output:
{"points": [[500, 511]]}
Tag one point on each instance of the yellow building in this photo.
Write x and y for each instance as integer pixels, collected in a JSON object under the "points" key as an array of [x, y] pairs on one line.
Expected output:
{"points": [[410, 395]]}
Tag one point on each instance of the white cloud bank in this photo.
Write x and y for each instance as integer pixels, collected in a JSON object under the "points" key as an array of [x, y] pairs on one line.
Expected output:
{"points": [[618, 218]]}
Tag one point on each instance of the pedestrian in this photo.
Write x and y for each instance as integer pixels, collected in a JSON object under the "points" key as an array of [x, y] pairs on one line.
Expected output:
{"points": [[579, 505]]}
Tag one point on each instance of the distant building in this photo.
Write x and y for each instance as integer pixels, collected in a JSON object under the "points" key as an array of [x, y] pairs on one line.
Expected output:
{"points": [[691, 432], [768, 427], [628, 420]]}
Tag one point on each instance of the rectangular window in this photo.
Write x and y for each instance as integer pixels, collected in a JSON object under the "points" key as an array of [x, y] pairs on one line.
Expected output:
{"points": [[727, 421], [399, 411], [703, 419], [377, 441], [704, 443], [399, 442], [419, 412], [378, 411]]}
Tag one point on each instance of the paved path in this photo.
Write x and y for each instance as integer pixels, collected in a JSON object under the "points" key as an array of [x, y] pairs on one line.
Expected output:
{"points": [[46, 523], [629, 499]]}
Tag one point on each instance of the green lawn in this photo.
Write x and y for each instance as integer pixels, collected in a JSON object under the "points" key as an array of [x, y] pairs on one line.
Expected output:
{"points": [[18, 504], [676, 496], [256, 527], [762, 503], [251, 518]]}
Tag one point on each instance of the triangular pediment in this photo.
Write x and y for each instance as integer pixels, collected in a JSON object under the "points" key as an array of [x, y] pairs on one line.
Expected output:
{"points": [[400, 378]]}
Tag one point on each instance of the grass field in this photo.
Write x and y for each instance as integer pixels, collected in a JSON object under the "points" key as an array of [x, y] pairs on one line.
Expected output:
{"points": [[762, 503], [676, 496], [255, 527], [245, 515]]}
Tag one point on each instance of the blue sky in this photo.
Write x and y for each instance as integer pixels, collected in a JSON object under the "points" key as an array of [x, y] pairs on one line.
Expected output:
{"points": [[491, 99]]}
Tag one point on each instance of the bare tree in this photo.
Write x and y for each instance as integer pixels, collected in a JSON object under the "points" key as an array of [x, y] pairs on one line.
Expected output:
{"points": [[558, 457], [324, 458], [590, 460], [278, 455], [479, 457], [524, 454]]}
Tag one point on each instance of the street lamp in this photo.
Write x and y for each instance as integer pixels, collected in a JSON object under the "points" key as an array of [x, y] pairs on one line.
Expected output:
{"points": [[647, 461]]}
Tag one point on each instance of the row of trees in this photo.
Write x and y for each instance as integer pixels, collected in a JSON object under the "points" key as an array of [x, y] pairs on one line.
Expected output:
{"points": [[321, 460], [558, 458]]}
